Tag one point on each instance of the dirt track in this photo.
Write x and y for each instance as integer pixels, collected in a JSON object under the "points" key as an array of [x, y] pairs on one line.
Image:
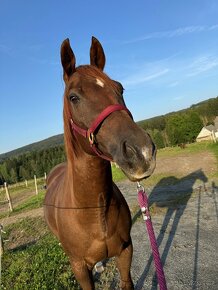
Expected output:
{"points": [[185, 164]]}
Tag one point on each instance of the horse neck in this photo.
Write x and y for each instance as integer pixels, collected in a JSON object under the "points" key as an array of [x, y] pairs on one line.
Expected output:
{"points": [[89, 179]]}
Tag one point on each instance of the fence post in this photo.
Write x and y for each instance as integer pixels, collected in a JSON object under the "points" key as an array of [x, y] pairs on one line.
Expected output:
{"points": [[36, 184], [26, 183], [8, 197], [45, 175]]}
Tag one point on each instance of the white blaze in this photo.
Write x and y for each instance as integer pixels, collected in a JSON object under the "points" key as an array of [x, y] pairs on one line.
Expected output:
{"points": [[100, 83]]}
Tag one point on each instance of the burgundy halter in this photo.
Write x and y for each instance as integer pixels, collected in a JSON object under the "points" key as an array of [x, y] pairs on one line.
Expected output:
{"points": [[90, 133]]}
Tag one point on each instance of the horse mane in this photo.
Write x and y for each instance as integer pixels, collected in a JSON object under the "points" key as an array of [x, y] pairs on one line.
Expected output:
{"points": [[88, 72], [69, 138]]}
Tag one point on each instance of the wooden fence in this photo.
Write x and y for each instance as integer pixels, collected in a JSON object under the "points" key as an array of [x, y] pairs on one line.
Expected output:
{"points": [[6, 190]]}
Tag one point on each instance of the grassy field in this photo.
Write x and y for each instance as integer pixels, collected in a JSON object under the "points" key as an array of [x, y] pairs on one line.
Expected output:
{"points": [[33, 258]]}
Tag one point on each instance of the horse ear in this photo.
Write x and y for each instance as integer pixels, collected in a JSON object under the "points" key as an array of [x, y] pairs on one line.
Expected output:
{"points": [[97, 56], [67, 59]]}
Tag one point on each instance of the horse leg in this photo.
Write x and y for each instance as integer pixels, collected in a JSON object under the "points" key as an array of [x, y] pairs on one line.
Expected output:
{"points": [[123, 265], [83, 274]]}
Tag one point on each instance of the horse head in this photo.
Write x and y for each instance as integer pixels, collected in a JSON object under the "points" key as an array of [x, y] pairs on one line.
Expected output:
{"points": [[92, 99]]}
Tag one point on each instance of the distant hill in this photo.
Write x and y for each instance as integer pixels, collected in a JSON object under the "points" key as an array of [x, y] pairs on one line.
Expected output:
{"points": [[37, 146]]}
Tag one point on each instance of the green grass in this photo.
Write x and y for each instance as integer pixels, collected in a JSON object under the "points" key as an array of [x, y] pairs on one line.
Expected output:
{"points": [[213, 147], [117, 174], [190, 148], [32, 202], [36, 265]]}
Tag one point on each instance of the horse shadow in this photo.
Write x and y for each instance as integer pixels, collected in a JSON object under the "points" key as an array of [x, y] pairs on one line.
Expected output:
{"points": [[172, 193]]}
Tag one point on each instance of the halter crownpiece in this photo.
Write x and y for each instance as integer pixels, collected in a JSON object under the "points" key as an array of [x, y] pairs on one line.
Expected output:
{"points": [[90, 133]]}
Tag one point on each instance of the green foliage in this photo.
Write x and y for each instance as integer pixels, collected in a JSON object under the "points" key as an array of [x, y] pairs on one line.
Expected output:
{"points": [[158, 123], [193, 126], [158, 139], [176, 129], [183, 128]]}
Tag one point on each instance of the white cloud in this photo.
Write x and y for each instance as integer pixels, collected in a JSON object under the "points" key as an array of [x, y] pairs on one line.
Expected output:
{"points": [[174, 33], [178, 98], [173, 84], [171, 72], [143, 77], [202, 64]]}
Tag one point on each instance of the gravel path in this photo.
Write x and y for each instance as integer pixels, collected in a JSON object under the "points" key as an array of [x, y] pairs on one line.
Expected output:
{"points": [[187, 234]]}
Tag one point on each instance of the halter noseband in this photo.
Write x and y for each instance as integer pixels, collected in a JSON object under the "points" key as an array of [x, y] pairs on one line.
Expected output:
{"points": [[90, 133]]}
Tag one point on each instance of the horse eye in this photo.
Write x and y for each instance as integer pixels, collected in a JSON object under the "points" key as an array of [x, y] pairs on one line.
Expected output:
{"points": [[73, 98]]}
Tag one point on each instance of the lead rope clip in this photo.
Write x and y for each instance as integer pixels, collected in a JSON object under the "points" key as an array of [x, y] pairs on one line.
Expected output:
{"points": [[144, 210]]}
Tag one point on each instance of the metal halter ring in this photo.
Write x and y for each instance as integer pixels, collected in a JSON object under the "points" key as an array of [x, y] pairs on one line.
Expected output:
{"points": [[91, 138]]}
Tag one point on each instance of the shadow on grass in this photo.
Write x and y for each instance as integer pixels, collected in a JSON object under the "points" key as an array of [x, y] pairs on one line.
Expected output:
{"points": [[23, 246]]}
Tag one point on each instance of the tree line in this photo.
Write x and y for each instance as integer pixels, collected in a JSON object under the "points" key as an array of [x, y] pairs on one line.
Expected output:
{"points": [[182, 126], [25, 166]]}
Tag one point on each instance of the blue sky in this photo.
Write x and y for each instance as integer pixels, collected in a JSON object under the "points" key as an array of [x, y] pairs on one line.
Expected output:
{"points": [[164, 52]]}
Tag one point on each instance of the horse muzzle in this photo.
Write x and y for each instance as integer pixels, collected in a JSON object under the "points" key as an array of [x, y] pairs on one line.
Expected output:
{"points": [[137, 157]]}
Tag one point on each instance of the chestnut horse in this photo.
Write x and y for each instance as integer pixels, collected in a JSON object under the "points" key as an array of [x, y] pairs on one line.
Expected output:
{"points": [[83, 207]]}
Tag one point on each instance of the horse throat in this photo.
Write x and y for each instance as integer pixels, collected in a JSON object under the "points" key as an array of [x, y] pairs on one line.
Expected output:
{"points": [[90, 180]]}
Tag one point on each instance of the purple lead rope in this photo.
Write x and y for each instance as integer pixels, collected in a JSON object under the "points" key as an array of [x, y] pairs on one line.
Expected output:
{"points": [[143, 203]]}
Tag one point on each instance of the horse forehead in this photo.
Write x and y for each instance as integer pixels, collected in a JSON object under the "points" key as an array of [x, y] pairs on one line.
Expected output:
{"points": [[86, 79]]}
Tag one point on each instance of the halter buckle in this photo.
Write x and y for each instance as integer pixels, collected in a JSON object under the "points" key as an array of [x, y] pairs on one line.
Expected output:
{"points": [[91, 138]]}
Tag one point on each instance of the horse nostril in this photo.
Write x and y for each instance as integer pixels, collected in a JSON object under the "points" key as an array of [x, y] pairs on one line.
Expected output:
{"points": [[128, 150]]}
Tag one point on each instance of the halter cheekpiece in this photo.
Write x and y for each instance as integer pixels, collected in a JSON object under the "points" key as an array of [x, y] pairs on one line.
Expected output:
{"points": [[90, 133]]}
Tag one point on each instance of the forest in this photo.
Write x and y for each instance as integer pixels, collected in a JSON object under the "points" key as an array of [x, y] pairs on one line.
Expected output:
{"points": [[172, 129], [26, 165]]}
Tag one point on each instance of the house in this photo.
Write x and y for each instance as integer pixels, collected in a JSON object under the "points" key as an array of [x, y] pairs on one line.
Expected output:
{"points": [[209, 133]]}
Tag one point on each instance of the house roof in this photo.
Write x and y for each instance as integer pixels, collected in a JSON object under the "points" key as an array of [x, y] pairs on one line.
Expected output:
{"points": [[206, 131], [210, 128]]}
